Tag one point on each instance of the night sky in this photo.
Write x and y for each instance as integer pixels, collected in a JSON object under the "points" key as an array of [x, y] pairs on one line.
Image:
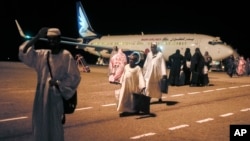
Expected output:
{"points": [[229, 21]]}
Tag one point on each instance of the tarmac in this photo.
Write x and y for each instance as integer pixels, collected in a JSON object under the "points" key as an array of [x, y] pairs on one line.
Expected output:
{"points": [[186, 113]]}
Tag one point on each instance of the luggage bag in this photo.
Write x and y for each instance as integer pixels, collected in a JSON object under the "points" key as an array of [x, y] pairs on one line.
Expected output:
{"points": [[141, 103]]}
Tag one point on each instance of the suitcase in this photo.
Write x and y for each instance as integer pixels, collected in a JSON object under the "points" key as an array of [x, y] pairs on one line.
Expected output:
{"points": [[164, 85], [141, 103], [182, 79]]}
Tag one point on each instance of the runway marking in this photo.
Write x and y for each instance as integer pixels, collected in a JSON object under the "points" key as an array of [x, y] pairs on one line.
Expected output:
{"points": [[245, 110], [205, 120], [226, 115], [234, 87], [219, 89], [208, 91], [164, 97], [244, 85], [176, 95], [112, 104], [190, 93], [23, 91], [143, 135], [194, 93], [79, 109], [10, 119], [178, 127]]}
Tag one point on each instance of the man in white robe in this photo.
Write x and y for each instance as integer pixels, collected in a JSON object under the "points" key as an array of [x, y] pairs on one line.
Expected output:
{"points": [[48, 103], [132, 81], [154, 69]]}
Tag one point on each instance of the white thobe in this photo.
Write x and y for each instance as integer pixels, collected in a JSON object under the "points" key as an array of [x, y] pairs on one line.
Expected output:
{"points": [[153, 70], [48, 104], [132, 81]]}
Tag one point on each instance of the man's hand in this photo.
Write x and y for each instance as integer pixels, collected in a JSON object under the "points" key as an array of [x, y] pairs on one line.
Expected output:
{"points": [[42, 32], [143, 89], [164, 77], [53, 82]]}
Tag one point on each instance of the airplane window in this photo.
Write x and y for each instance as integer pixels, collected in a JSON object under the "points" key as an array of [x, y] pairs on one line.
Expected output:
{"points": [[211, 43], [215, 42]]}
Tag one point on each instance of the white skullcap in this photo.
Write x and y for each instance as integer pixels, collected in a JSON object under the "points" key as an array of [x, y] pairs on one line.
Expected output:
{"points": [[53, 32], [154, 43]]}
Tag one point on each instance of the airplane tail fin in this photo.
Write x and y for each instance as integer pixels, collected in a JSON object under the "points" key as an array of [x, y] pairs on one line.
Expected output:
{"points": [[84, 28]]}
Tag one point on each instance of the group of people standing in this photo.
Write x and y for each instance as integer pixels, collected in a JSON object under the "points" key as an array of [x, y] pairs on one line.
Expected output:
{"points": [[200, 65], [135, 79], [185, 69], [238, 66], [189, 69], [58, 78]]}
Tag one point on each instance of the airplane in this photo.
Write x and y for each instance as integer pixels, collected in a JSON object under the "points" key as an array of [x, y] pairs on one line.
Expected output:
{"points": [[102, 45]]}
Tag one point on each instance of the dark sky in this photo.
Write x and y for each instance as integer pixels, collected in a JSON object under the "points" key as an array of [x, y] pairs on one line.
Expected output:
{"points": [[230, 21]]}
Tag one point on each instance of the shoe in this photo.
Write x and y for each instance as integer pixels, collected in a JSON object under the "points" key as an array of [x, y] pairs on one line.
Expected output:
{"points": [[160, 100], [121, 114]]}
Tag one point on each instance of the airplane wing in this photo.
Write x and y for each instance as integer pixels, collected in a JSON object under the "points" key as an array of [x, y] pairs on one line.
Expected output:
{"points": [[78, 42], [86, 33]]}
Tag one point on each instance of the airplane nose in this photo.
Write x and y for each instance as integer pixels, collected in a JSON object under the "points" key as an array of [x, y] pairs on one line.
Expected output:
{"points": [[227, 51]]}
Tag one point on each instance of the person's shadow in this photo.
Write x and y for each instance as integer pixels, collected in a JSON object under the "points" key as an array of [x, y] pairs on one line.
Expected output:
{"points": [[142, 115], [168, 103]]}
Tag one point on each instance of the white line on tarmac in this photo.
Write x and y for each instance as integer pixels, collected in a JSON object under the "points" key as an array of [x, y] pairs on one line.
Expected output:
{"points": [[226, 115], [23, 91], [143, 135], [208, 91], [176, 95], [219, 89], [78, 109], [244, 85], [205, 120], [194, 93], [106, 105], [178, 127], [245, 110], [10, 119], [163, 97], [233, 87]]}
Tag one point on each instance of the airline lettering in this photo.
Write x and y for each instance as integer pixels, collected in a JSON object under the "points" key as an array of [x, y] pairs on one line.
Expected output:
{"points": [[175, 39], [151, 39]]}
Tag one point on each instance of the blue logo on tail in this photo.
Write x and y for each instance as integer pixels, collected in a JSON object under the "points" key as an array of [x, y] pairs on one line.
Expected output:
{"points": [[84, 27]]}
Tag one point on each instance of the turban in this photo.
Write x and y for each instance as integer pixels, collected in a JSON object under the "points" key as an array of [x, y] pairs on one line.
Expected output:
{"points": [[53, 32]]}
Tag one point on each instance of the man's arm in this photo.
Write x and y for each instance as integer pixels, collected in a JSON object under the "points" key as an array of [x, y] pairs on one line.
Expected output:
{"points": [[42, 33]]}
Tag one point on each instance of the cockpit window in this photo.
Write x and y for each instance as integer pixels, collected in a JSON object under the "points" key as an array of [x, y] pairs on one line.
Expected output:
{"points": [[216, 41]]}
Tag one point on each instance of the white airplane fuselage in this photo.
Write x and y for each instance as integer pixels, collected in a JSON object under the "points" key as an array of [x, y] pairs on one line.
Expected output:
{"points": [[167, 44]]}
